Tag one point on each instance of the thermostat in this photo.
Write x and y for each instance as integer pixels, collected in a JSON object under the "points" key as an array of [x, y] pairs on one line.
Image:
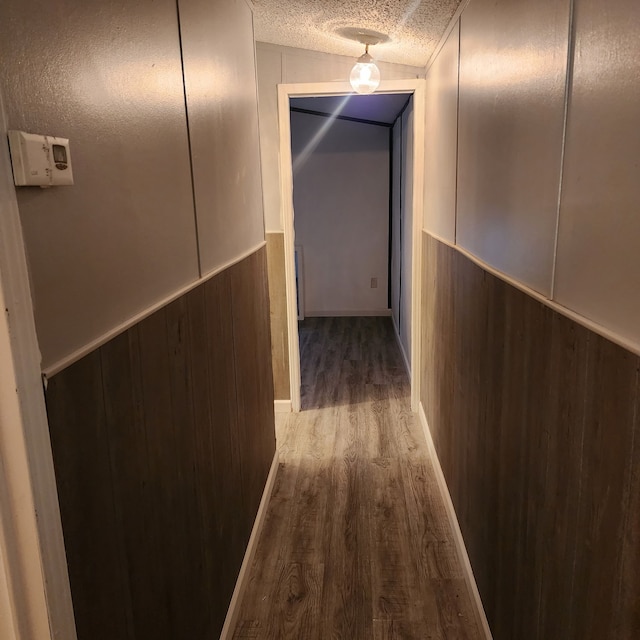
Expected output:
{"points": [[39, 160]]}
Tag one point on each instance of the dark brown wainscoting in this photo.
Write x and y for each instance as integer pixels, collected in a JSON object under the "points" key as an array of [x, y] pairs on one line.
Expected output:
{"points": [[162, 442], [535, 421]]}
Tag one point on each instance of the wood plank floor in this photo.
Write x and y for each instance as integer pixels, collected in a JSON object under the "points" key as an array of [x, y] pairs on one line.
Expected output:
{"points": [[356, 542]]}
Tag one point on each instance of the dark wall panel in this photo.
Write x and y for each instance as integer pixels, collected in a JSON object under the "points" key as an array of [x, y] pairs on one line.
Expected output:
{"points": [[162, 443], [93, 553], [254, 384], [535, 421]]}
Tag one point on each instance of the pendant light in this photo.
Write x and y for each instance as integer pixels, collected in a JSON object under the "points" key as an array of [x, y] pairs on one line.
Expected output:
{"points": [[365, 75]]}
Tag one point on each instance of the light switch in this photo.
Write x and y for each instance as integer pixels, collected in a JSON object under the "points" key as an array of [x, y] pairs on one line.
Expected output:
{"points": [[39, 160]]}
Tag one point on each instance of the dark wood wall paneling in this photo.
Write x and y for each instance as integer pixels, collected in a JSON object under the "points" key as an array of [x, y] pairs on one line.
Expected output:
{"points": [[535, 421], [162, 442]]}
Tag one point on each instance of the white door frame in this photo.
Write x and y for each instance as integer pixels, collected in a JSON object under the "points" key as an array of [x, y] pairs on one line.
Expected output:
{"points": [[286, 91], [33, 566]]}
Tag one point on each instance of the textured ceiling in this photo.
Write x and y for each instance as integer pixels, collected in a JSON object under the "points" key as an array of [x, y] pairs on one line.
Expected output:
{"points": [[414, 26]]}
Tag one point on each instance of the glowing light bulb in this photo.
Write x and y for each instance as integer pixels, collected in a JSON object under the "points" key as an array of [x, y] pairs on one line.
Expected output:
{"points": [[365, 75]]}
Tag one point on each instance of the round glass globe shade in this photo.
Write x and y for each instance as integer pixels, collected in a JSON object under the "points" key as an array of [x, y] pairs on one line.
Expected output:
{"points": [[365, 77]]}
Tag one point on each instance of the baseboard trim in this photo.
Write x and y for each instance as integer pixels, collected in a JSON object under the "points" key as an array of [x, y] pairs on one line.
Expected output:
{"points": [[282, 406], [349, 313], [407, 366], [233, 612], [461, 549]]}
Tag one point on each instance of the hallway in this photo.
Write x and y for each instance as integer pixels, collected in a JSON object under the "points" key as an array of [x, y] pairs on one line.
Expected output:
{"points": [[356, 543]]}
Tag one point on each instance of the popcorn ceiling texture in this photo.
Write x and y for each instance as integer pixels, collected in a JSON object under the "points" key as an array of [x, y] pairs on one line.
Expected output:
{"points": [[414, 26]]}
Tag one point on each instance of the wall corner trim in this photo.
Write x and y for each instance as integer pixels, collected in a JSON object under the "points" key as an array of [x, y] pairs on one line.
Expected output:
{"points": [[242, 582], [461, 549], [282, 406], [445, 36], [33, 552]]}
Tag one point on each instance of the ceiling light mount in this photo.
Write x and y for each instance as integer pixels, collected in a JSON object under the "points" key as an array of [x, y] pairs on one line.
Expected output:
{"points": [[363, 36]]}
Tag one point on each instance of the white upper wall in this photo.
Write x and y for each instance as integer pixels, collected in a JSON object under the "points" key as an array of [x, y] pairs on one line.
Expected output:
{"points": [[341, 208], [513, 59], [278, 65], [441, 141], [598, 266], [220, 79], [123, 238], [510, 150], [98, 250]]}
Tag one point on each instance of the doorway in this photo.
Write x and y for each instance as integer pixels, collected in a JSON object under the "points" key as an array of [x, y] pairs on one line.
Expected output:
{"points": [[340, 95]]}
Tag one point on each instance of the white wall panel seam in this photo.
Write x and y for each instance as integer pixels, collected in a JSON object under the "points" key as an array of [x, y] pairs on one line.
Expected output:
{"points": [[260, 143], [445, 36], [186, 117], [455, 208], [567, 99]]}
